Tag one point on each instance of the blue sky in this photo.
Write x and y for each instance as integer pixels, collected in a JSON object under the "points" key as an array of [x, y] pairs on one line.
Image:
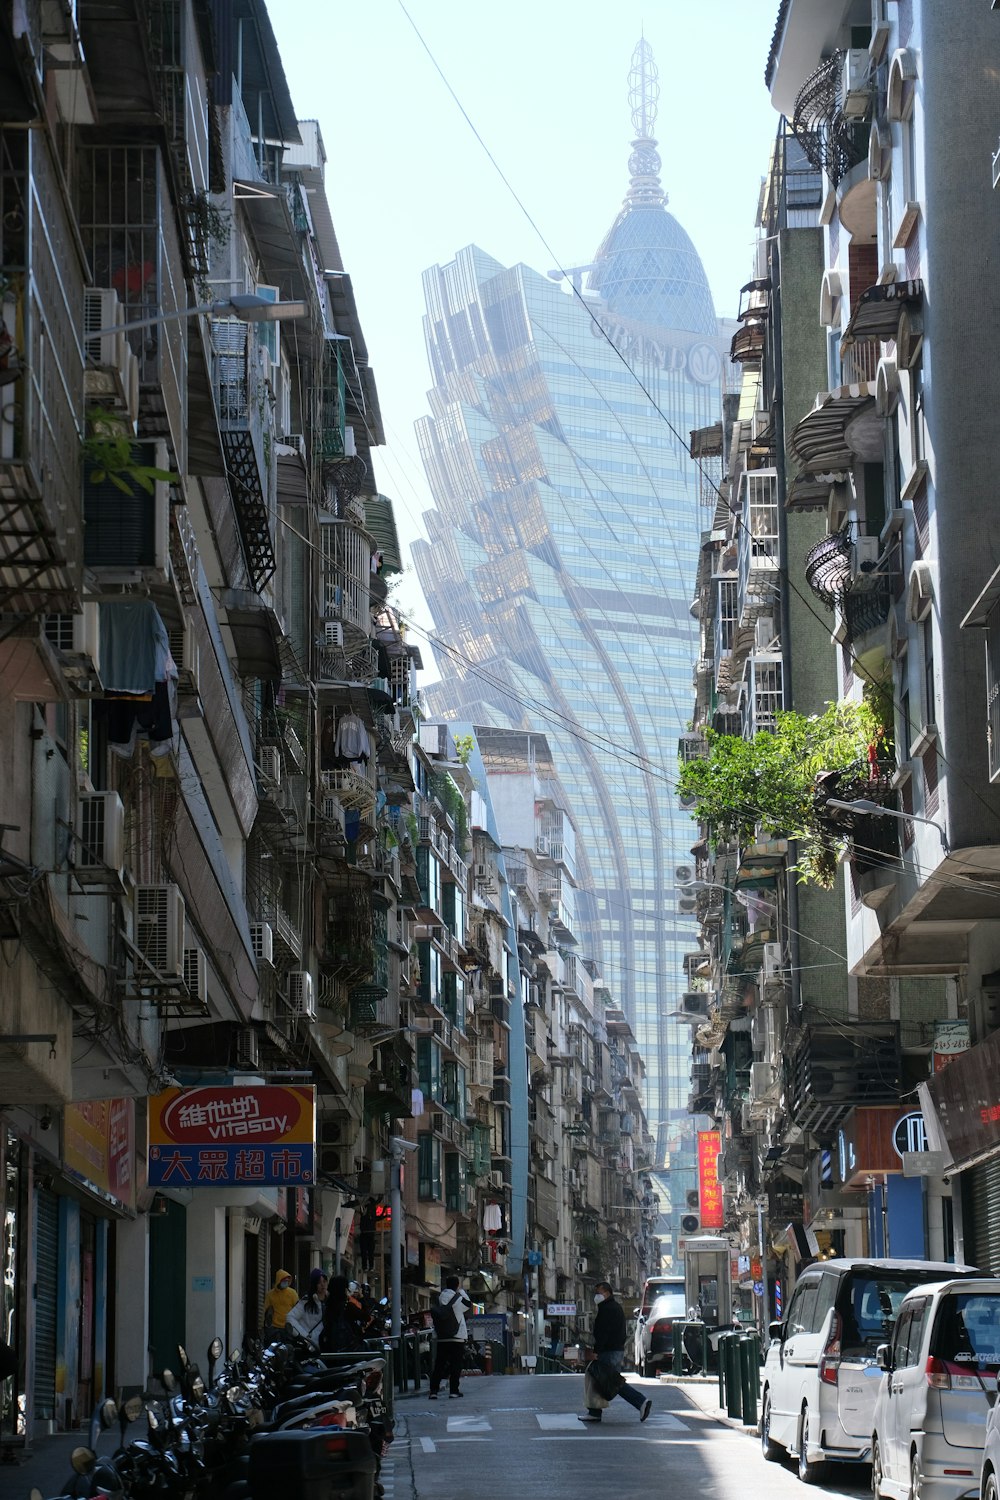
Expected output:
{"points": [[546, 87]]}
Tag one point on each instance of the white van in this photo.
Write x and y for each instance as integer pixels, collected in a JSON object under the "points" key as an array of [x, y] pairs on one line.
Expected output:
{"points": [[934, 1400], [821, 1376]]}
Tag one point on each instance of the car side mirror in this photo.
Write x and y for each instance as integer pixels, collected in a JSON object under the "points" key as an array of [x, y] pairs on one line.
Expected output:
{"points": [[776, 1331], [883, 1357]]}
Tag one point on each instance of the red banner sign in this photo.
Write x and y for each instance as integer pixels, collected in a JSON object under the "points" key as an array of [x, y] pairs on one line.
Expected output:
{"points": [[709, 1187]]}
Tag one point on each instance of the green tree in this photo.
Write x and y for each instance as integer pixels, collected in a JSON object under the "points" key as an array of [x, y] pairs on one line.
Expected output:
{"points": [[769, 784]]}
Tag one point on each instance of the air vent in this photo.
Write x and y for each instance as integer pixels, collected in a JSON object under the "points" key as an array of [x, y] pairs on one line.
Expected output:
{"points": [[99, 853]]}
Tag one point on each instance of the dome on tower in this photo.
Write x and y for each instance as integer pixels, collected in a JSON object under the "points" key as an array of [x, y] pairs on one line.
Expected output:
{"points": [[647, 270]]}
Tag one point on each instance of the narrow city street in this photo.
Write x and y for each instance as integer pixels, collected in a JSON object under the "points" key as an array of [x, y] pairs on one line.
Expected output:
{"points": [[519, 1436]]}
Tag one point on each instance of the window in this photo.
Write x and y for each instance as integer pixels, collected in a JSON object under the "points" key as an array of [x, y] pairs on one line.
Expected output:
{"points": [[824, 1300], [927, 631], [800, 1314], [429, 1072], [900, 1338], [904, 728], [428, 1166], [967, 1331]]}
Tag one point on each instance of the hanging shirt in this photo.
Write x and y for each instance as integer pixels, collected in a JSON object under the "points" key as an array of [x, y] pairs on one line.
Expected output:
{"points": [[352, 739]]}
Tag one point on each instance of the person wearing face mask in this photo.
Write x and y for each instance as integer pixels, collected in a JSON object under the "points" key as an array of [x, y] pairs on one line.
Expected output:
{"points": [[609, 1349], [279, 1302]]}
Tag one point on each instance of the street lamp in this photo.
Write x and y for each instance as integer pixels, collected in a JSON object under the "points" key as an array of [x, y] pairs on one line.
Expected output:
{"points": [[247, 306], [398, 1147], [872, 809]]}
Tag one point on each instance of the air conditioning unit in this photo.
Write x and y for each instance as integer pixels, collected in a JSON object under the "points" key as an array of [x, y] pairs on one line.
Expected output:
{"points": [[687, 904], [331, 1161], [695, 1002], [581, 1266], [333, 600], [542, 846], [99, 853], [247, 1047], [762, 1079], [301, 994], [496, 1182], [269, 763], [262, 939], [572, 1177], [158, 918], [855, 84], [684, 874], [692, 1198], [690, 1223], [331, 1132], [772, 966], [333, 634], [865, 553], [297, 441], [112, 375], [196, 976], [185, 652], [77, 639], [880, 31], [350, 445], [764, 632]]}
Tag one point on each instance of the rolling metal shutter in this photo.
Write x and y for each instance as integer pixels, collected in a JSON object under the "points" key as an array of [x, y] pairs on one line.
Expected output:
{"points": [[981, 1209], [46, 1293]]}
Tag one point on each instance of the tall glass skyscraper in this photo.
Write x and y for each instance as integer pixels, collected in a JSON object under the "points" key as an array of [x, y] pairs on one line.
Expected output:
{"points": [[560, 557]]}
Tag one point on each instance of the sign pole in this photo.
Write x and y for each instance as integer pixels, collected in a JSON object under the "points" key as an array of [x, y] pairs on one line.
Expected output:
{"points": [[395, 1246]]}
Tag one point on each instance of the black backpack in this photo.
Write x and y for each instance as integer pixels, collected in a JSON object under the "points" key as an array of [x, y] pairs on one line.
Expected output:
{"points": [[445, 1319]]}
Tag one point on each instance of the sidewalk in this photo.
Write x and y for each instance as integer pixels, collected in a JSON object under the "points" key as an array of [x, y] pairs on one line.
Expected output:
{"points": [[46, 1463], [703, 1390]]}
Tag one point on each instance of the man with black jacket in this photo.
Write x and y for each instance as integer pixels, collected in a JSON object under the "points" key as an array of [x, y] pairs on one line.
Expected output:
{"points": [[609, 1349]]}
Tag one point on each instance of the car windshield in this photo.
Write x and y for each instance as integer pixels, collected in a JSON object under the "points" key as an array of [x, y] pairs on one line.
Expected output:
{"points": [[671, 1305], [873, 1299], [653, 1290], [967, 1330]]}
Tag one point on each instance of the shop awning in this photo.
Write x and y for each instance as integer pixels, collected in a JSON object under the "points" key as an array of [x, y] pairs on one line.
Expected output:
{"points": [[270, 216], [822, 440], [810, 491], [706, 442], [381, 523], [760, 865], [876, 315], [747, 346]]}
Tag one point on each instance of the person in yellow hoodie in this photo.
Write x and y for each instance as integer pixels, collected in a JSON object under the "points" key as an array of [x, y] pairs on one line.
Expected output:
{"points": [[279, 1301]]}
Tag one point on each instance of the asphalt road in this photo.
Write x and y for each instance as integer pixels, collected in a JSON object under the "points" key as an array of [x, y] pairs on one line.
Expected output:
{"points": [[517, 1437]]}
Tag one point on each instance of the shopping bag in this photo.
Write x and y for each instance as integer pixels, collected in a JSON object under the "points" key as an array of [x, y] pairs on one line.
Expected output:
{"points": [[592, 1398], [607, 1381]]}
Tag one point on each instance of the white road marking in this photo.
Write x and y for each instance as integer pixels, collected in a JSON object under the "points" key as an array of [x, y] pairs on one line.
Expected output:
{"points": [[469, 1424], [428, 1445], [547, 1420], [619, 1437]]}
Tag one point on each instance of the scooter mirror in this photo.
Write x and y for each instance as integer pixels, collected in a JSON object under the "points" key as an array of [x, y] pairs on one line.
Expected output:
{"points": [[197, 1388], [35, 1493], [133, 1408], [169, 1380], [152, 1420], [215, 1348], [182, 1356], [109, 1413], [82, 1460]]}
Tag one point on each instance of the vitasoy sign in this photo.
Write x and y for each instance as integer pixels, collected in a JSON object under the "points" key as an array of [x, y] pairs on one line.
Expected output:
{"points": [[231, 1137]]}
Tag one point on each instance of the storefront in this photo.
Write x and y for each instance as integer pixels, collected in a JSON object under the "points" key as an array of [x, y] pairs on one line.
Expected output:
{"points": [[961, 1105]]}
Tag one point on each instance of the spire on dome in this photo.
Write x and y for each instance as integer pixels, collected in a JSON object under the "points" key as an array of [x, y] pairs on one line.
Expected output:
{"points": [[643, 95]]}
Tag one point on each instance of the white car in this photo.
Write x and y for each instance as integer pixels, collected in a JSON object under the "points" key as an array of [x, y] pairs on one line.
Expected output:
{"points": [[653, 1289], [820, 1376], [929, 1428]]}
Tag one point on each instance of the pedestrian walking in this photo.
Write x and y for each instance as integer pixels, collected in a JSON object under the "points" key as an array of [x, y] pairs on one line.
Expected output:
{"points": [[609, 1350], [279, 1302], [343, 1325], [448, 1317], [306, 1317]]}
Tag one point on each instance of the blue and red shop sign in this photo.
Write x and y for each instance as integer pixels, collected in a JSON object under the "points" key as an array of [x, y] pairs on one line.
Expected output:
{"points": [[256, 1134]]}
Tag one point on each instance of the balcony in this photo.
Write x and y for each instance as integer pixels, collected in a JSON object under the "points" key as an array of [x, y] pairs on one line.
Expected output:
{"points": [[757, 550], [345, 582], [41, 407], [350, 787], [762, 693], [242, 401], [833, 1069]]}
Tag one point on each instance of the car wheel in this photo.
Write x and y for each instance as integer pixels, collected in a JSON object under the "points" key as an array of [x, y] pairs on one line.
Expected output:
{"points": [[769, 1448], [809, 1473], [914, 1477], [876, 1470], [990, 1489]]}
